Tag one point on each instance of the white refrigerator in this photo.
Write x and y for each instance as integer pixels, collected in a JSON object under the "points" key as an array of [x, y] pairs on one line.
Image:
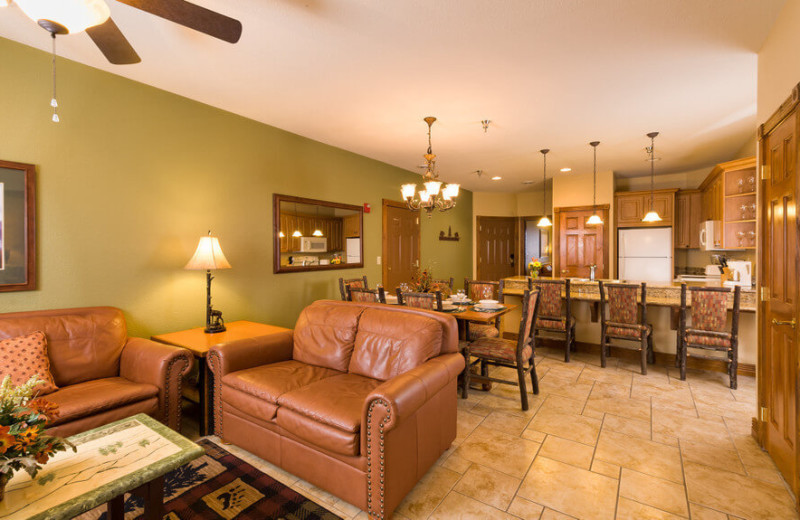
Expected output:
{"points": [[645, 254], [353, 246]]}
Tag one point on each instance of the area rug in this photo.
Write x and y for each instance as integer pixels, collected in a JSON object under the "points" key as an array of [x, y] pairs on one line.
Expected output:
{"points": [[220, 485]]}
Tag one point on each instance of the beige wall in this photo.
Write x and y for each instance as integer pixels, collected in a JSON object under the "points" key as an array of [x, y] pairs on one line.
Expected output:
{"points": [[682, 180], [133, 176], [779, 61]]}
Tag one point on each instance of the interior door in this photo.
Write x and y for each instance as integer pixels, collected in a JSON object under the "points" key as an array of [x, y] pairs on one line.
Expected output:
{"points": [[496, 247], [581, 245], [400, 244], [778, 355]]}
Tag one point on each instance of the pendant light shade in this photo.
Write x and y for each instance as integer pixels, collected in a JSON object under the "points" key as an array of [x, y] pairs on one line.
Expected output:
{"points": [[595, 219], [544, 221], [652, 215]]}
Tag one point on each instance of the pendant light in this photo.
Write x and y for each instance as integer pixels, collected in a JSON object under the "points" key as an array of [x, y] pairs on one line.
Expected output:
{"points": [[652, 215], [297, 233], [595, 219], [544, 221], [317, 232]]}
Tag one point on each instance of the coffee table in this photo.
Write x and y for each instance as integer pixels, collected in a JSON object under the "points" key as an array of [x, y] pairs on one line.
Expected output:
{"points": [[127, 456]]}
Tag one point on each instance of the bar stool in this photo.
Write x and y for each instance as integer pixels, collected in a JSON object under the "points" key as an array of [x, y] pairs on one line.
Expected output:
{"points": [[554, 315], [477, 290], [518, 354], [360, 283], [709, 314], [623, 323], [356, 294]]}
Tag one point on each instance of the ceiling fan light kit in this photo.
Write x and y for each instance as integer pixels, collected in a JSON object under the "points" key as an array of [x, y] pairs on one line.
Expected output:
{"points": [[65, 16]]}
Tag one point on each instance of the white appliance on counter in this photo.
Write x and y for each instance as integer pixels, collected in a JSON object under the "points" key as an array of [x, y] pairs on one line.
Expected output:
{"points": [[711, 235], [313, 244], [742, 272], [645, 254], [353, 250]]}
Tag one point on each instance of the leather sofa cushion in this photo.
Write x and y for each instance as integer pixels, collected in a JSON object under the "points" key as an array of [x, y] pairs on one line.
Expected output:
{"points": [[325, 335], [94, 397], [248, 405], [337, 401], [319, 434], [388, 345], [83, 344], [269, 382]]}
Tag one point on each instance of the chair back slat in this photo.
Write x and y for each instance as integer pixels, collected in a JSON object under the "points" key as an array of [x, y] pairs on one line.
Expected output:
{"points": [[483, 290], [530, 308], [356, 294], [709, 309], [356, 283], [550, 302], [430, 301]]}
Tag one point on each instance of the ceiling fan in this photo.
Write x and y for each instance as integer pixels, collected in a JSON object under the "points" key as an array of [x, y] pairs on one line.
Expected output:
{"points": [[94, 17]]}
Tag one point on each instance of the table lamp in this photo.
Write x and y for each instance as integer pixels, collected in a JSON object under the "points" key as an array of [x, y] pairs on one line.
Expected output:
{"points": [[209, 256]]}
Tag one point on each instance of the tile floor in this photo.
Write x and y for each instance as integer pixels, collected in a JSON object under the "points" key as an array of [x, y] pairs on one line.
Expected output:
{"points": [[595, 444]]}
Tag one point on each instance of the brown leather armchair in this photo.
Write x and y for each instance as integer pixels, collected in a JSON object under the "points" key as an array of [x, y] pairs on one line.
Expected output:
{"points": [[103, 375], [360, 399]]}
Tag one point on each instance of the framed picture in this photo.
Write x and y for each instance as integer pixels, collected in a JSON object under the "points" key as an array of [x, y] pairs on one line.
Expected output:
{"points": [[17, 226]]}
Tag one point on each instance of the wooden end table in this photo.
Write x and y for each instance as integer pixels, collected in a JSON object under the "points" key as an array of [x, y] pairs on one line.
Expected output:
{"points": [[199, 343], [127, 456]]}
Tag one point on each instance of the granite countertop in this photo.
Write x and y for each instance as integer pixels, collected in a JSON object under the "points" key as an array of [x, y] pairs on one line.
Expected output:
{"points": [[658, 293]]}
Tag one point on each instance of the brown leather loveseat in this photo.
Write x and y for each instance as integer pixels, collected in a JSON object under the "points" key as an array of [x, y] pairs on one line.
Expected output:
{"points": [[103, 375], [359, 400]]}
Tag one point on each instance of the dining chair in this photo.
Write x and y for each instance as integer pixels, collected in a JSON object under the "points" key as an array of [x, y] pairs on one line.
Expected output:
{"points": [[450, 284], [555, 314], [623, 322], [707, 332], [518, 354], [360, 283], [356, 294], [477, 290], [430, 301]]}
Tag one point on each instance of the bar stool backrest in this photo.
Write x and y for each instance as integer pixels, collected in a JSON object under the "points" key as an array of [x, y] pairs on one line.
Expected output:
{"points": [[709, 308], [622, 302], [551, 306]]}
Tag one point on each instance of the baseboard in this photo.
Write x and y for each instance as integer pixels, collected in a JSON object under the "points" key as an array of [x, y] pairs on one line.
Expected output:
{"points": [[662, 358]]}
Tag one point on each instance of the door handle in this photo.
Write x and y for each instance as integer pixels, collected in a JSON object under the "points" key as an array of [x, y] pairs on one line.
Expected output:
{"points": [[792, 323]]}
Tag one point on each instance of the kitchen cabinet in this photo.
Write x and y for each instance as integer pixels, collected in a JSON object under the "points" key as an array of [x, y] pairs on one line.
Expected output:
{"points": [[352, 226], [729, 195], [332, 228], [632, 206], [688, 216]]}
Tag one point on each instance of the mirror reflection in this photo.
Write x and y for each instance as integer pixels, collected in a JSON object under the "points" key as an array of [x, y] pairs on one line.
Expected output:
{"points": [[317, 234]]}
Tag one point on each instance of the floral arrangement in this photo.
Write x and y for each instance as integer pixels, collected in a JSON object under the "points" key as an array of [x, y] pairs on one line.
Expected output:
{"points": [[534, 266], [423, 282], [23, 419]]}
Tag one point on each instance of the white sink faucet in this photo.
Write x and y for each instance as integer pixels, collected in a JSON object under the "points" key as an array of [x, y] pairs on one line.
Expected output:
{"points": [[592, 269]]}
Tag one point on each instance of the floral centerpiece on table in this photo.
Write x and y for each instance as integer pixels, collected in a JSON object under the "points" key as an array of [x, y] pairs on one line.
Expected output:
{"points": [[534, 266], [423, 282], [23, 419]]}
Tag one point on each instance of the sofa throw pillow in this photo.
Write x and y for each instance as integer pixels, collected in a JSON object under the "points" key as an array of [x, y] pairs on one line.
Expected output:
{"points": [[390, 343], [24, 356]]}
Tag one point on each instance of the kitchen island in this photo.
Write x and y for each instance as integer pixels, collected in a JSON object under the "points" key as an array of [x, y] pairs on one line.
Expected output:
{"points": [[663, 303]]}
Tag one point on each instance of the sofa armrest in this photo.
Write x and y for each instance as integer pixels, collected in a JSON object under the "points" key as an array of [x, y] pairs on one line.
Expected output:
{"points": [[164, 366], [240, 354], [394, 416]]}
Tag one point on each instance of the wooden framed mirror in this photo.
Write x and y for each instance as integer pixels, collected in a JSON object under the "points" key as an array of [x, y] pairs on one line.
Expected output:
{"points": [[316, 235], [17, 226]]}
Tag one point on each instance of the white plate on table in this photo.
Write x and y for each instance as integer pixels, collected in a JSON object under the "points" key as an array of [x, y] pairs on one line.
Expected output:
{"points": [[489, 304], [391, 300]]}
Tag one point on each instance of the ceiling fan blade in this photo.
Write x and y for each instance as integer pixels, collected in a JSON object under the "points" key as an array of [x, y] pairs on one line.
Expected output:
{"points": [[192, 16], [112, 43]]}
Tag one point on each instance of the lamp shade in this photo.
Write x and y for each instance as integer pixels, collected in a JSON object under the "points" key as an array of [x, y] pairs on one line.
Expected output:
{"points": [[651, 216], [544, 222], [595, 220], [408, 190], [74, 15], [208, 255]]}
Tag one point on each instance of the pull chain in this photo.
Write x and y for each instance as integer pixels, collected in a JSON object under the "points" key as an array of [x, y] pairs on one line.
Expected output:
{"points": [[53, 102]]}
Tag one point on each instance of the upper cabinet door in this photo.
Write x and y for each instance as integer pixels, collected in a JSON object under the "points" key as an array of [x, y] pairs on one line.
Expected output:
{"points": [[629, 209]]}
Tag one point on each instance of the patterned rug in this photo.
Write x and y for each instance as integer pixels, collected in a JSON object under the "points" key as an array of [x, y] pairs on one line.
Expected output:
{"points": [[220, 485]]}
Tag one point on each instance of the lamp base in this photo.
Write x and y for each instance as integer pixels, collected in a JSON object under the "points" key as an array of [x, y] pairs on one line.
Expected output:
{"points": [[213, 329]]}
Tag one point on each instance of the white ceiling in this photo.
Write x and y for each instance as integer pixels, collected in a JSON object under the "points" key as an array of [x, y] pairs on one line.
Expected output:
{"points": [[361, 75]]}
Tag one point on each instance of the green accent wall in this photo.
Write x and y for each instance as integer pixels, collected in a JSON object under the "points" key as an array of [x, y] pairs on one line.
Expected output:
{"points": [[132, 176]]}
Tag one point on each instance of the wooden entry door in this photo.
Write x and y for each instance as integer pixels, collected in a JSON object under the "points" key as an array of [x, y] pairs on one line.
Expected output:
{"points": [[778, 378], [400, 244], [578, 244], [496, 247]]}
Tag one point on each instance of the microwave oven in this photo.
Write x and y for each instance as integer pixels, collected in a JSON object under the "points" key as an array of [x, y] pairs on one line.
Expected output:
{"points": [[711, 235], [313, 245]]}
